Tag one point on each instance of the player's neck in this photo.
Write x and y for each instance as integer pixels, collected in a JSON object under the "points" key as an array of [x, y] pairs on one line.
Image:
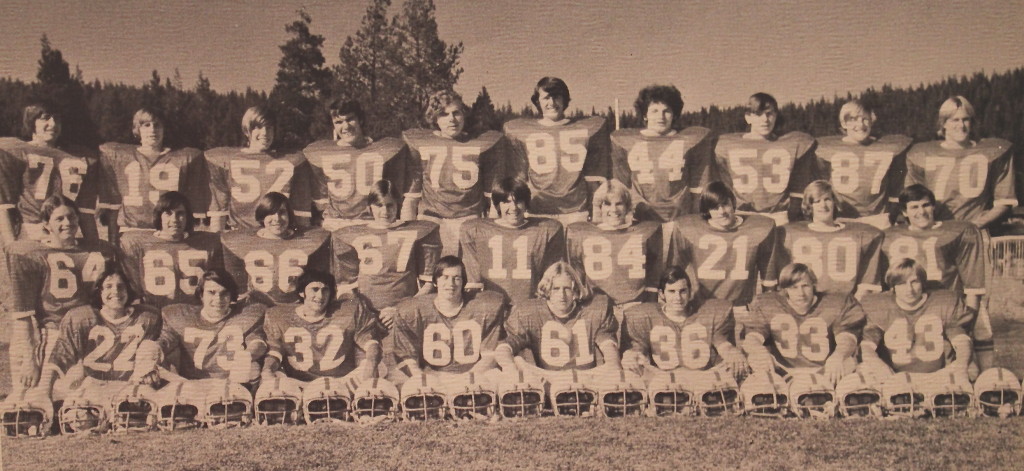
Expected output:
{"points": [[826, 226], [753, 136], [214, 316], [310, 315], [114, 315], [954, 145], [384, 224], [553, 122], [42, 142], [933, 225], [448, 307], [266, 234], [255, 150], [511, 224], [171, 236], [803, 310], [152, 152], [652, 133], [912, 307], [55, 243], [357, 143], [851, 140], [736, 221], [674, 315]]}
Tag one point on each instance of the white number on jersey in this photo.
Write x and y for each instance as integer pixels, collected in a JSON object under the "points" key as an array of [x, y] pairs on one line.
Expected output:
{"points": [[598, 257], [847, 169], [670, 161], [839, 256], [925, 253], [260, 265], [521, 252], [971, 172], [925, 342], [245, 181], [688, 347], [230, 338], [465, 164], [63, 280], [371, 258], [808, 339], [777, 162], [719, 248], [347, 176], [556, 338], [160, 273], [329, 338], [106, 340], [162, 177], [461, 344], [545, 155]]}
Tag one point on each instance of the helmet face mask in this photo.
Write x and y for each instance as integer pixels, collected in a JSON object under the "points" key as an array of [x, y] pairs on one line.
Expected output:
{"points": [[717, 393], [472, 396], [570, 397], [473, 405], [134, 410], [858, 397], [227, 404], [998, 393], [765, 396], [812, 397], [25, 423], [520, 395], [902, 398], [950, 395], [622, 395], [421, 400], [278, 402], [376, 400], [178, 406], [82, 412]]}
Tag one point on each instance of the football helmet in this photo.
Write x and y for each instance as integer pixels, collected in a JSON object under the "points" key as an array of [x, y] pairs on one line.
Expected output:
{"points": [[179, 404], [423, 398], [375, 400], [521, 392], [571, 393], [669, 394], [812, 397], [948, 394], [997, 393], [901, 397], [858, 396], [326, 399], [715, 392], [765, 395], [471, 395], [133, 409], [278, 401], [620, 392], [85, 408], [26, 413], [226, 404]]}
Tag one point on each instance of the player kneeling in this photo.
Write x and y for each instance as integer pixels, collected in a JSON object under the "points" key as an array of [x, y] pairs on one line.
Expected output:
{"points": [[329, 346], [685, 350]]}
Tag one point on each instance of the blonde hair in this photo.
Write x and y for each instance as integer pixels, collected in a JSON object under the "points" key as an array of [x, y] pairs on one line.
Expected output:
{"points": [[793, 273], [902, 270], [438, 102], [256, 117], [558, 268], [949, 108], [814, 191], [607, 189], [854, 107]]}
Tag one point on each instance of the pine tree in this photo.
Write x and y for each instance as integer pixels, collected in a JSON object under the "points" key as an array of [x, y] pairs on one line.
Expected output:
{"points": [[302, 84], [367, 72], [428, 63], [484, 115]]}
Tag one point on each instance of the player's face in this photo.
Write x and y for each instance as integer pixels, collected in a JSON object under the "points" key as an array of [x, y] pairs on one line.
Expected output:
{"points": [[151, 133], [858, 126], [909, 292], [63, 224], [562, 296], [347, 129], [762, 124], [659, 118], [386, 210], [277, 223], [822, 208], [958, 127], [676, 296], [47, 128], [450, 283], [614, 209], [722, 216], [513, 212], [451, 120], [920, 214], [114, 292], [173, 220], [316, 296], [216, 297], [551, 107], [801, 294], [261, 137]]}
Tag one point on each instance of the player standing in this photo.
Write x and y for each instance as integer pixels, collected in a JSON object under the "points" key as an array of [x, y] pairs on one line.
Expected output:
{"points": [[11, 169], [562, 159]]}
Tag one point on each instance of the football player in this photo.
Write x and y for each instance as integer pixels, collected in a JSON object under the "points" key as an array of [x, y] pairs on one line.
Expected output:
{"points": [[680, 331], [562, 159], [508, 254], [565, 327], [617, 256], [11, 170], [801, 329], [766, 172], [455, 169], [46, 170], [44, 280], [845, 256], [240, 176], [664, 167], [346, 168], [167, 263], [972, 180], [865, 171], [269, 258], [388, 260], [134, 177]]}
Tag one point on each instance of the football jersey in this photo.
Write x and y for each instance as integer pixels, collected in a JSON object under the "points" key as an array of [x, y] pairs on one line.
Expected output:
{"points": [[106, 349], [432, 341], [966, 182], [864, 177], [668, 344], [48, 170], [47, 282], [266, 269], [844, 260], [804, 340], [622, 263], [950, 251], [207, 349], [132, 182], [914, 341], [344, 176], [510, 260], [562, 344], [168, 272], [665, 173], [325, 348], [556, 161], [238, 180], [451, 176], [765, 174], [11, 170], [726, 263], [385, 263]]}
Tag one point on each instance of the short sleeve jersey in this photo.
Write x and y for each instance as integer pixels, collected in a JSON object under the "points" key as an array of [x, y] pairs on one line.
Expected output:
{"points": [[309, 350], [11, 171], [510, 260], [804, 340], [49, 170], [268, 268], [239, 179], [665, 173], [914, 340], [864, 177], [452, 175], [726, 263], [765, 174], [966, 182], [168, 272], [343, 176], [668, 344], [133, 182], [562, 343], [622, 263], [844, 258], [207, 349], [951, 252], [385, 262], [105, 348], [556, 161], [430, 340]]}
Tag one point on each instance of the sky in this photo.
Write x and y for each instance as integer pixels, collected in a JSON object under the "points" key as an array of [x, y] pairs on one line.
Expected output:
{"points": [[715, 52]]}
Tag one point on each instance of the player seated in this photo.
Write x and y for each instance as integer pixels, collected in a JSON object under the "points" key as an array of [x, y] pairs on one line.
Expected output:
{"points": [[268, 259], [508, 254], [845, 256], [665, 168], [765, 171], [166, 263]]}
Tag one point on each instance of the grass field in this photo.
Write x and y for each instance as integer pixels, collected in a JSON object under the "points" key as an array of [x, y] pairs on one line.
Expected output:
{"points": [[554, 443]]}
